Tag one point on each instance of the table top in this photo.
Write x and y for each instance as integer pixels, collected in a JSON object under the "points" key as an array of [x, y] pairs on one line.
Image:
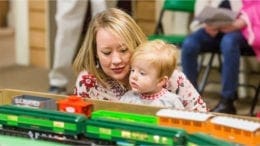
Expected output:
{"points": [[6, 140]]}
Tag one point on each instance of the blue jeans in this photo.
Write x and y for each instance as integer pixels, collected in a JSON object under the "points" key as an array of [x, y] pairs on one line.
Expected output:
{"points": [[229, 45]]}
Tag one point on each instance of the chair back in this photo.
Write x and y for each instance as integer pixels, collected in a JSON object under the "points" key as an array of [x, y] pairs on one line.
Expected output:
{"points": [[186, 6], [179, 5]]}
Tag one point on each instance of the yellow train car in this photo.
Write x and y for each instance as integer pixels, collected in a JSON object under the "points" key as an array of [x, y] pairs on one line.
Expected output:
{"points": [[192, 122], [236, 130]]}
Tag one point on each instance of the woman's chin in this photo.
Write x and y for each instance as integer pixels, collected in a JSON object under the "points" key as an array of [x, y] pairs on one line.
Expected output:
{"points": [[123, 78], [119, 77]]}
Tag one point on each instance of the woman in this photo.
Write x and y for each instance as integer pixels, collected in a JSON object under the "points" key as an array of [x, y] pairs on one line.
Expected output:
{"points": [[103, 62]]}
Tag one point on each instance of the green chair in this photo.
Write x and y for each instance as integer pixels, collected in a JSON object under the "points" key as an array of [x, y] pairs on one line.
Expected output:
{"points": [[186, 6]]}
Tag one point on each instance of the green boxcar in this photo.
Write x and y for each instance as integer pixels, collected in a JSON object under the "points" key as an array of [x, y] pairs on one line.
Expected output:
{"points": [[124, 116], [135, 133], [201, 139], [42, 120]]}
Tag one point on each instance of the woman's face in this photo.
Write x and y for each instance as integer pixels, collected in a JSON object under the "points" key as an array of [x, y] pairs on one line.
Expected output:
{"points": [[113, 55]]}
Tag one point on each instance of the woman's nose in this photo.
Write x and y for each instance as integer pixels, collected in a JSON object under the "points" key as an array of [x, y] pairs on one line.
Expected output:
{"points": [[116, 58]]}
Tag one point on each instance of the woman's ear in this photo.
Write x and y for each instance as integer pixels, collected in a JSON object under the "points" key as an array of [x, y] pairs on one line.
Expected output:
{"points": [[163, 81], [97, 62]]}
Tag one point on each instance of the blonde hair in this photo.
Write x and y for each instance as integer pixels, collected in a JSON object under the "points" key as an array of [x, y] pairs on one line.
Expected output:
{"points": [[161, 55], [115, 21]]}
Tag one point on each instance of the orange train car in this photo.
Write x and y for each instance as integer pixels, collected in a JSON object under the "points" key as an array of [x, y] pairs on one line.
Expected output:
{"points": [[236, 130], [75, 104], [192, 122], [224, 127]]}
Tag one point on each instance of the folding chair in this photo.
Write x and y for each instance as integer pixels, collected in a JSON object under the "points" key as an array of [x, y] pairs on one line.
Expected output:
{"points": [[206, 73], [186, 6], [254, 101]]}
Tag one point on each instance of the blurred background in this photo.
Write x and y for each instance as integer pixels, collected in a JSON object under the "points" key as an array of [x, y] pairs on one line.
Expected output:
{"points": [[27, 32]]}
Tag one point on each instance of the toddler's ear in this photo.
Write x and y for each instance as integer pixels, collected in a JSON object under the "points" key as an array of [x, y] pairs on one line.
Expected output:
{"points": [[163, 82]]}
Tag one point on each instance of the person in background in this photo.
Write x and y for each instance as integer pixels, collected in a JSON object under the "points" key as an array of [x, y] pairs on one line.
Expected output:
{"points": [[229, 39], [70, 15], [248, 23], [149, 75], [103, 62]]}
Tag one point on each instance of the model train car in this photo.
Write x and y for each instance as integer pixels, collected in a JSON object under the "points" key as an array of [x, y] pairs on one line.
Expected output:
{"points": [[202, 139], [134, 133], [43, 120], [124, 116], [75, 104], [34, 101]]}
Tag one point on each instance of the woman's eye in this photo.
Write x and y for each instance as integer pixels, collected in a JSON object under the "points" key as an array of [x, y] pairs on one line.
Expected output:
{"points": [[124, 50], [106, 53]]}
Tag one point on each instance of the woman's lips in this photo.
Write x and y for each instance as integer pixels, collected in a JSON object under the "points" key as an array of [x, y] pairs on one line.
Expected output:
{"points": [[118, 70]]}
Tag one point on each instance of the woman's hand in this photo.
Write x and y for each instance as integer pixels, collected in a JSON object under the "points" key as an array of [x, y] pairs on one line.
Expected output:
{"points": [[228, 28], [236, 25]]}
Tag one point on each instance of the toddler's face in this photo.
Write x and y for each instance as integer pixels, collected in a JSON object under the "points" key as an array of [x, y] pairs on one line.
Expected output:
{"points": [[143, 78]]}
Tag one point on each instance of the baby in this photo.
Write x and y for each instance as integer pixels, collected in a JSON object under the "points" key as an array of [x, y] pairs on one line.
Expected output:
{"points": [[152, 64]]}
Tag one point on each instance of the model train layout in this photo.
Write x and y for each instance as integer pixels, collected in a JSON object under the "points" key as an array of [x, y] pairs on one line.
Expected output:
{"points": [[81, 124], [69, 127]]}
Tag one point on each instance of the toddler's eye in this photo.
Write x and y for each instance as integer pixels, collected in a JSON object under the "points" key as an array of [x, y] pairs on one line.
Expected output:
{"points": [[142, 73]]}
